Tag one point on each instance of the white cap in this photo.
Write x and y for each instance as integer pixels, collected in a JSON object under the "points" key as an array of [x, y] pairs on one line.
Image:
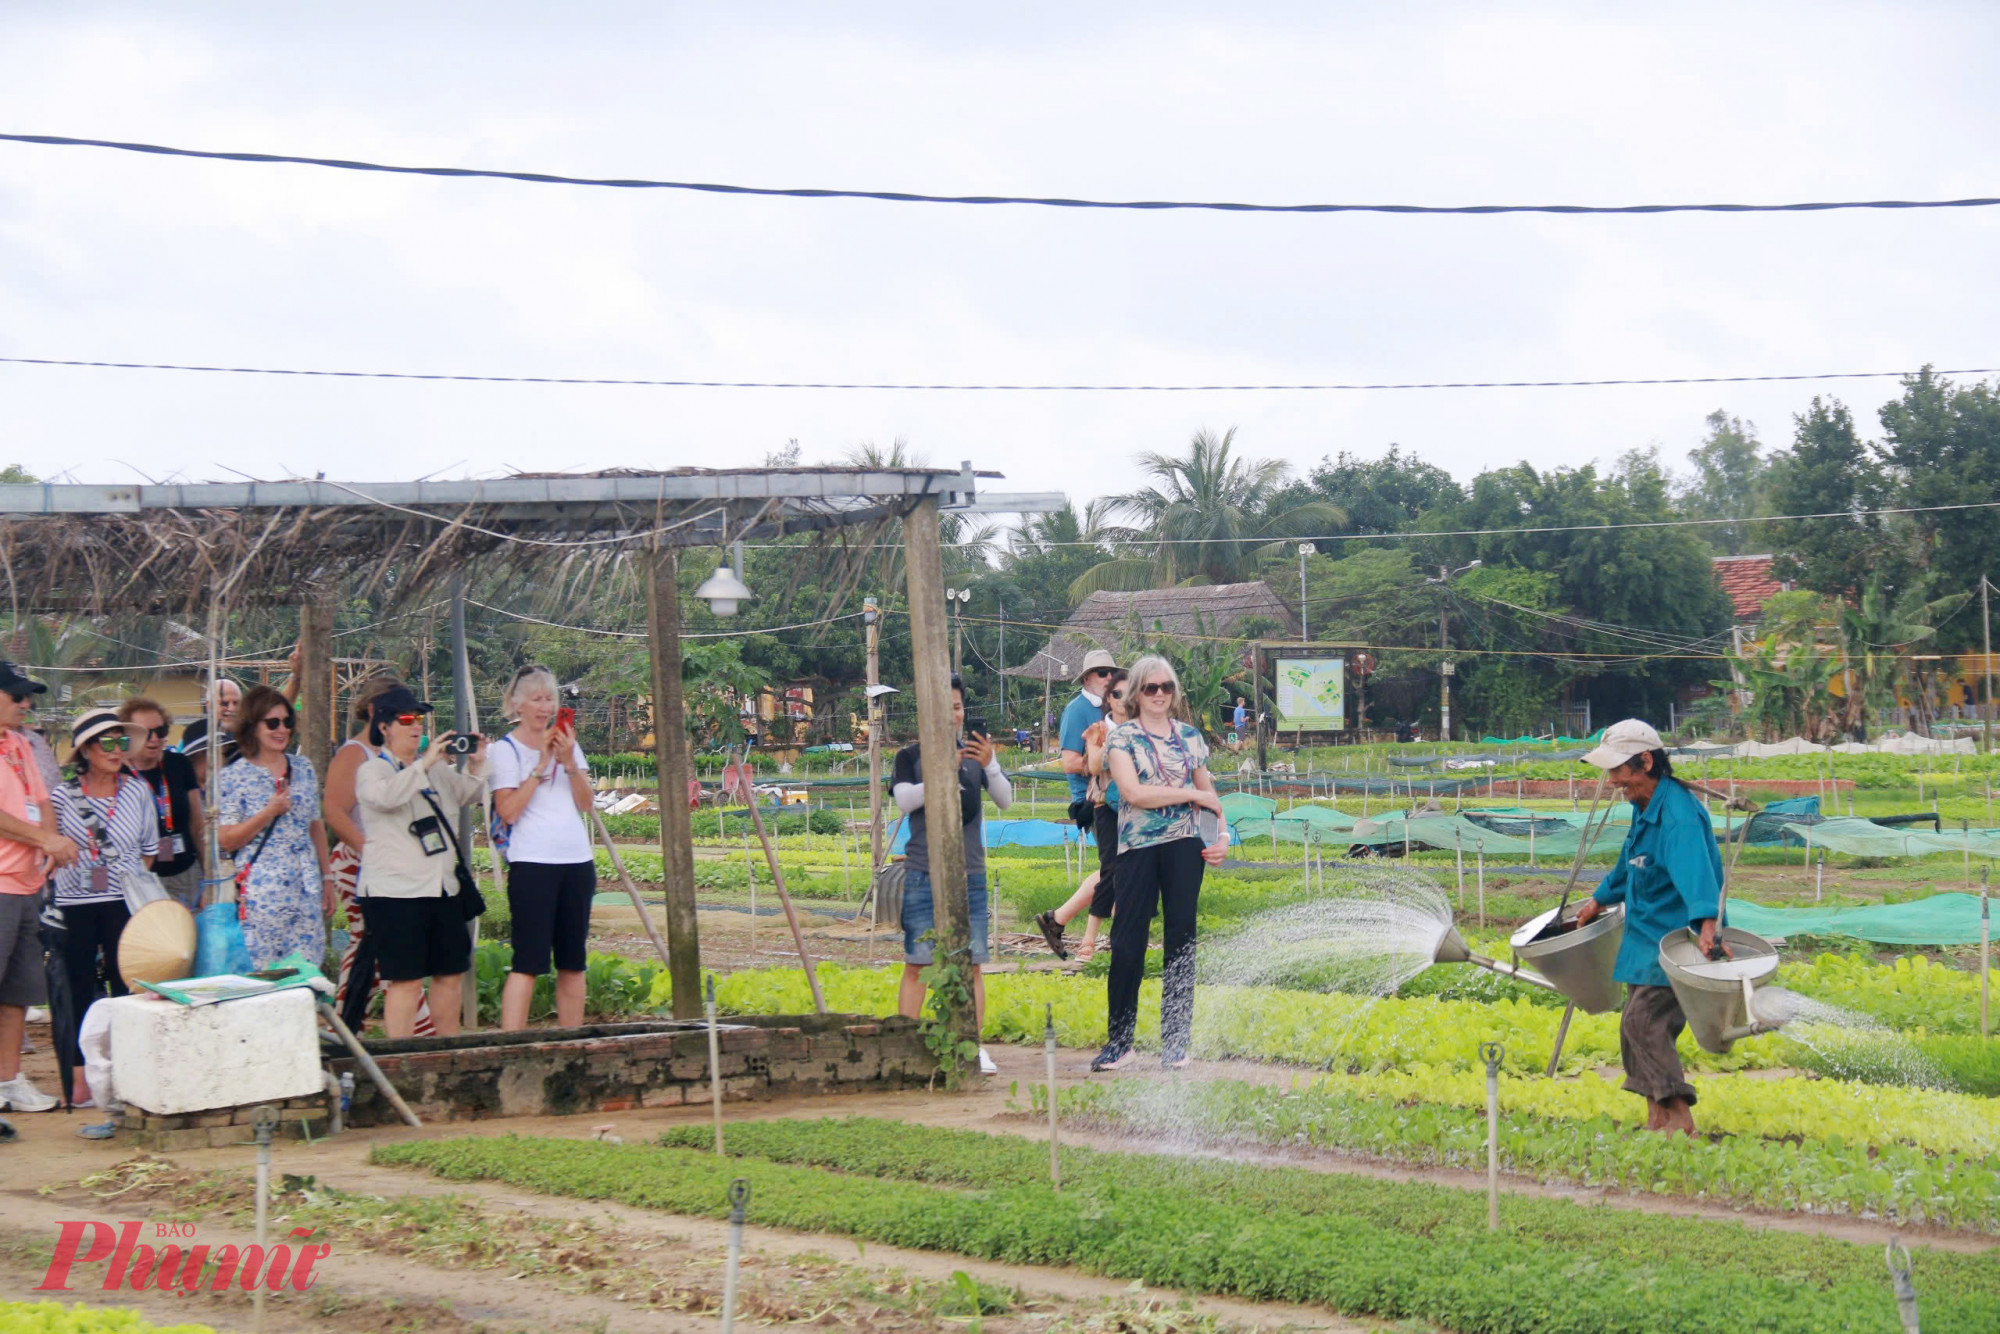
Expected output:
{"points": [[1622, 741]]}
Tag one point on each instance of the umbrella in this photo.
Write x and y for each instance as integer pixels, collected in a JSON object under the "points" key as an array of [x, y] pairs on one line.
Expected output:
{"points": [[62, 1005]]}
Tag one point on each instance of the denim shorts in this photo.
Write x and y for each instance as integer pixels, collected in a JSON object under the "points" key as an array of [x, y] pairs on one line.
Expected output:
{"points": [[920, 916]]}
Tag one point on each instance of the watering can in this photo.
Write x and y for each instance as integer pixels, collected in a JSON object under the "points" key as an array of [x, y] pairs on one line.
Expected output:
{"points": [[1725, 999], [1575, 962]]}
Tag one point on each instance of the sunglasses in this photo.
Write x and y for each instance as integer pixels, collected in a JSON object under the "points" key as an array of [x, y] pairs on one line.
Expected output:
{"points": [[159, 733], [277, 724], [19, 697], [408, 719], [1152, 688], [114, 744]]}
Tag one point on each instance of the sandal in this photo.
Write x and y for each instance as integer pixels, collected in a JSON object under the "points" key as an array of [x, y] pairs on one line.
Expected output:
{"points": [[1174, 1063], [1052, 932], [1105, 1060]]}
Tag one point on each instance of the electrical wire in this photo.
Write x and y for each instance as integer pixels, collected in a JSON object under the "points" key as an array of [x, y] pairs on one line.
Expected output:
{"points": [[995, 388], [911, 197], [636, 634]]}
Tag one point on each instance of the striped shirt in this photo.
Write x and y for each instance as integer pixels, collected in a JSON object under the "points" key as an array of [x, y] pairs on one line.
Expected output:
{"points": [[133, 828]]}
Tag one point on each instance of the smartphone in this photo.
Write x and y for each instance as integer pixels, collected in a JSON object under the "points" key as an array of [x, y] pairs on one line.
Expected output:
{"points": [[462, 744], [566, 720], [976, 726]]}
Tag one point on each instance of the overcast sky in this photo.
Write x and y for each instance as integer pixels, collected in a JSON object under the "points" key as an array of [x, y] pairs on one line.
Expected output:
{"points": [[108, 255]]}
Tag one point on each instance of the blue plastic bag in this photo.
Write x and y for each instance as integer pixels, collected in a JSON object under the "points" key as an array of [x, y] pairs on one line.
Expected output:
{"points": [[219, 946]]}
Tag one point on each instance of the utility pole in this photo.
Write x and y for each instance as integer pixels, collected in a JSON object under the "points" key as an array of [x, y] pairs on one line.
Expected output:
{"points": [[1000, 670], [1446, 668], [1305, 549], [954, 601], [871, 617], [1986, 627]]}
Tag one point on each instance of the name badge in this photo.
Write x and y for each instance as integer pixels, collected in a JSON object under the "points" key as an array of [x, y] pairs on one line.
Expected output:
{"points": [[100, 879], [32, 812], [176, 845]]}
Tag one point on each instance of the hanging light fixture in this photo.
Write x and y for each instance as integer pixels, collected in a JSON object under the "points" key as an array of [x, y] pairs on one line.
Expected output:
{"points": [[725, 588]]}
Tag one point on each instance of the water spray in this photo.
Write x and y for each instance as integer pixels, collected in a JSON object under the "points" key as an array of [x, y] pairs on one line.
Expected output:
{"points": [[1985, 954], [1899, 1278], [739, 1202], [264, 1122], [1491, 1052], [714, 1063]]}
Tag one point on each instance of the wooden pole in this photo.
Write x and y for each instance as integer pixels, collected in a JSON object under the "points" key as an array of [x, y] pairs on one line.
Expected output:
{"points": [[670, 757], [871, 616], [320, 716], [465, 718], [937, 734], [1257, 704]]}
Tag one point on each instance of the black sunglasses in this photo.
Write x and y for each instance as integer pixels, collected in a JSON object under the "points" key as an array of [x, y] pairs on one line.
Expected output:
{"points": [[159, 733], [1157, 688], [275, 723], [19, 696]]}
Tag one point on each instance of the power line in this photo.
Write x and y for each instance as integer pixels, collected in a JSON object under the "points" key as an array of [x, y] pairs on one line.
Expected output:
{"points": [[1357, 386], [911, 197]]}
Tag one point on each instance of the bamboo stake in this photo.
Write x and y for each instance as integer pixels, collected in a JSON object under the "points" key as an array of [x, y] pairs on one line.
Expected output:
{"points": [[625, 877], [791, 916]]}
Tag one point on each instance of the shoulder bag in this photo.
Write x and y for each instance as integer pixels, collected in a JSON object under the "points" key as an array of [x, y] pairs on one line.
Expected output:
{"points": [[243, 864], [470, 901]]}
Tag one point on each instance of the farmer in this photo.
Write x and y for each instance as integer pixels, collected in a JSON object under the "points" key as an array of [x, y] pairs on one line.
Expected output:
{"points": [[1669, 877]]}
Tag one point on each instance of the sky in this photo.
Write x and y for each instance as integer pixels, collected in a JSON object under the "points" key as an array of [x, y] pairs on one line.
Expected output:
{"points": [[115, 256]]}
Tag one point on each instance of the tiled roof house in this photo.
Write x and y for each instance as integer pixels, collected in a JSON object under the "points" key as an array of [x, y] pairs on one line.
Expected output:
{"points": [[1748, 581]]}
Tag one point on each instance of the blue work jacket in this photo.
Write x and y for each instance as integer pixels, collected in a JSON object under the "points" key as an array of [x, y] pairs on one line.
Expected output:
{"points": [[1668, 876]]}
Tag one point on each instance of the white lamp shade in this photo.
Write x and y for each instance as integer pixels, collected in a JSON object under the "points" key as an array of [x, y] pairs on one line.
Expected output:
{"points": [[723, 590]]}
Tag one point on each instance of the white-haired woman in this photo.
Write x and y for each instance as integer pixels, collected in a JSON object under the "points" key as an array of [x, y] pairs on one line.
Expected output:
{"points": [[1160, 763], [541, 789]]}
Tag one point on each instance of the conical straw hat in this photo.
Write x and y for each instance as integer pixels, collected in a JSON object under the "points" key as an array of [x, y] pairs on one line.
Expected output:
{"points": [[157, 945]]}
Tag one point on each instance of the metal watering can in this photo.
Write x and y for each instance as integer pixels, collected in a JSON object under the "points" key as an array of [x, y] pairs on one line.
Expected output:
{"points": [[1575, 962], [1725, 999]]}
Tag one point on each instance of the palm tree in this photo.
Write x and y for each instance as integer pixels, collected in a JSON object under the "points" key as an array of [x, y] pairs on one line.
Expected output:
{"points": [[1209, 518], [1875, 638]]}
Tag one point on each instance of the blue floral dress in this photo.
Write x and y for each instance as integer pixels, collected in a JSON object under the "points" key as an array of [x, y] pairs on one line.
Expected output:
{"points": [[281, 905]]}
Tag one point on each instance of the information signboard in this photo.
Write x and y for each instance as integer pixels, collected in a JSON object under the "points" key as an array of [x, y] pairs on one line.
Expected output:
{"points": [[1312, 694]]}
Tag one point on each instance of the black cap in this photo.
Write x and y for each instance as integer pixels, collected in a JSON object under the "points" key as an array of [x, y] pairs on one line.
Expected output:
{"points": [[14, 682], [395, 700], [194, 737]]}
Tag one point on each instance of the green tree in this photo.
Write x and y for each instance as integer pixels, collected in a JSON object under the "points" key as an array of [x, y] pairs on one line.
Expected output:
{"points": [[1208, 519], [1827, 471], [1728, 482], [1385, 495], [1941, 445]]}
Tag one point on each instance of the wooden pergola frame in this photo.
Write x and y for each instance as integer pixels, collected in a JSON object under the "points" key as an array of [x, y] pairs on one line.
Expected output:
{"points": [[205, 548]]}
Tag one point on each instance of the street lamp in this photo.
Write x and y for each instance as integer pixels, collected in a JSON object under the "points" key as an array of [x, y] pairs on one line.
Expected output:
{"points": [[1447, 668], [1305, 549], [955, 599], [725, 588]]}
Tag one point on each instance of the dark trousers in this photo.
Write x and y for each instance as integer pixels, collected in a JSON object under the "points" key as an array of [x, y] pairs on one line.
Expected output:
{"points": [[89, 928], [1166, 878]]}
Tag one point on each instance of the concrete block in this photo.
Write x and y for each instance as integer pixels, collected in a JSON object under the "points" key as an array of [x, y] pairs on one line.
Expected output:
{"points": [[173, 1059]]}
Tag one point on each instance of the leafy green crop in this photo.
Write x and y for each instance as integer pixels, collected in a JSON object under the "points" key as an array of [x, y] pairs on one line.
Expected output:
{"points": [[55, 1318], [1408, 1251], [1582, 1133]]}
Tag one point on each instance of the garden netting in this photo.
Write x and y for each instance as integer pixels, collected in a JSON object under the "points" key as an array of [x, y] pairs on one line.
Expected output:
{"points": [[1942, 919]]}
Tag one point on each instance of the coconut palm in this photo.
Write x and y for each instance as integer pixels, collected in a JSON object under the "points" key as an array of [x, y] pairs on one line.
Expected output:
{"points": [[1208, 518]]}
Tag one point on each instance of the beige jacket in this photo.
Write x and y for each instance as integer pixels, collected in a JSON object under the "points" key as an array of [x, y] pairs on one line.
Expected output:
{"points": [[394, 864]]}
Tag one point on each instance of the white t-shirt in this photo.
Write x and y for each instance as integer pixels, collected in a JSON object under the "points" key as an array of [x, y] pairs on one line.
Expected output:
{"points": [[551, 829]]}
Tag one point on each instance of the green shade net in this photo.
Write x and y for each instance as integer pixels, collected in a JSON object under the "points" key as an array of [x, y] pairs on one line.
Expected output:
{"points": [[1942, 919], [1865, 838]]}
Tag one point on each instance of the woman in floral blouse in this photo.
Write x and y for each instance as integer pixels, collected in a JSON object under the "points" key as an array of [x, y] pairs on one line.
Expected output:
{"points": [[1160, 763], [271, 824]]}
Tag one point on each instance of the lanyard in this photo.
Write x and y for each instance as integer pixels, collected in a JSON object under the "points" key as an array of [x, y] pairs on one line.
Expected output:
{"points": [[163, 800], [90, 823], [20, 771]]}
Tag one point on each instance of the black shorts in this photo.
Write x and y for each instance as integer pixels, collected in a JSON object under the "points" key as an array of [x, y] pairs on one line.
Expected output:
{"points": [[418, 938], [551, 906], [1106, 834]]}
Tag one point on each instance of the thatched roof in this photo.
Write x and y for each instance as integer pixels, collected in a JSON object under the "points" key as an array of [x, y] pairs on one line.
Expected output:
{"points": [[173, 549], [1120, 621]]}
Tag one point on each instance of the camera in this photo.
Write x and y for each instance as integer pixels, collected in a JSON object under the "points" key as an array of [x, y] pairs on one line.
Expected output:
{"points": [[462, 744]]}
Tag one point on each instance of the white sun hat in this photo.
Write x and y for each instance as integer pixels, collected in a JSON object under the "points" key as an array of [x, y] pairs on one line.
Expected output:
{"points": [[1622, 741]]}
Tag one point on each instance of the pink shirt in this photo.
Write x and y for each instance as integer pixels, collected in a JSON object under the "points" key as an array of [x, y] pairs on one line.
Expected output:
{"points": [[23, 795]]}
